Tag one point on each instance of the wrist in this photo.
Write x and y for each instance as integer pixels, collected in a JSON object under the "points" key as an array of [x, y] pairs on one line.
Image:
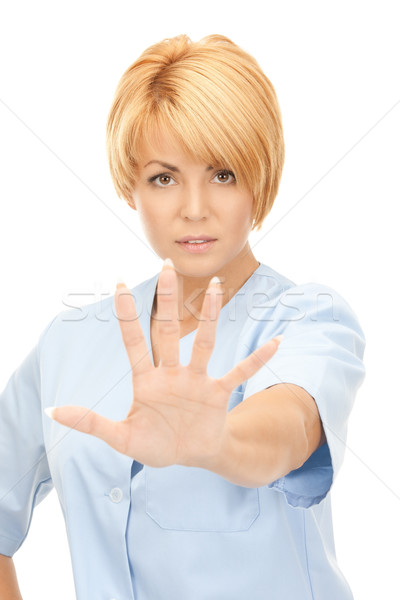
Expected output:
{"points": [[226, 462]]}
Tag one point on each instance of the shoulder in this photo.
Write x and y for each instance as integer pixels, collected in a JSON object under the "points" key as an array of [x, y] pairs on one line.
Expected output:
{"points": [[273, 292], [276, 305]]}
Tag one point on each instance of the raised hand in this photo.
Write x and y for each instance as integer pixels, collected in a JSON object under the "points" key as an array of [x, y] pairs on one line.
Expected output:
{"points": [[178, 414]]}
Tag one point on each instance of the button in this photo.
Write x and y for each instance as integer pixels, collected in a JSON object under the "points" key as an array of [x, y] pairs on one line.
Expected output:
{"points": [[116, 495]]}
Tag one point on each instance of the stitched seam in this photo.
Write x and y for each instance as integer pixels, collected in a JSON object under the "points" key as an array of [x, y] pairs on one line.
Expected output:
{"points": [[306, 555], [45, 481]]}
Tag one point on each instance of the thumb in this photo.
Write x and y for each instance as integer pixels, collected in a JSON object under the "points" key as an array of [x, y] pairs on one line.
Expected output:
{"points": [[85, 420]]}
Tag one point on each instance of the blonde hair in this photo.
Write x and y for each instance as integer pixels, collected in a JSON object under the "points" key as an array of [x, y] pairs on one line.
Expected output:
{"points": [[215, 100]]}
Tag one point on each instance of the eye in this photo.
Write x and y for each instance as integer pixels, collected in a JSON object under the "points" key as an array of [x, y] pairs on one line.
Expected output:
{"points": [[164, 180], [225, 176]]}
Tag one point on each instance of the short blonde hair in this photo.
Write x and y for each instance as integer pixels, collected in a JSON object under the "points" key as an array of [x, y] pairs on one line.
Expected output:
{"points": [[215, 100]]}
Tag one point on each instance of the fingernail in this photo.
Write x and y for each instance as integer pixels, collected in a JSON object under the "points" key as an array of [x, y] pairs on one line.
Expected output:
{"points": [[215, 280], [120, 282], [49, 411], [168, 263], [279, 338]]}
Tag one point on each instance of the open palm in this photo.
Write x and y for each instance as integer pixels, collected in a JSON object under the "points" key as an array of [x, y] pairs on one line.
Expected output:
{"points": [[178, 414]]}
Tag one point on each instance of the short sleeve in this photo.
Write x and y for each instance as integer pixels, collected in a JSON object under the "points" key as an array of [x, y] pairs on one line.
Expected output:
{"points": [[322, 352], [24, 471]]}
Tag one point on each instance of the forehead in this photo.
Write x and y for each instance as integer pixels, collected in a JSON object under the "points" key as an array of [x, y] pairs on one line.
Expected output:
{"points": [[164, 145], [159, 144]]}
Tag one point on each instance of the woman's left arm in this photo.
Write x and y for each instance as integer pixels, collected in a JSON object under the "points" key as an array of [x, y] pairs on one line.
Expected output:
{"points": [[268, 435]]}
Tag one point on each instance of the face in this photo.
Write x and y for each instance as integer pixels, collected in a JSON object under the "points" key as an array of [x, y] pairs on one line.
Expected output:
{"points": [[179, 199]]}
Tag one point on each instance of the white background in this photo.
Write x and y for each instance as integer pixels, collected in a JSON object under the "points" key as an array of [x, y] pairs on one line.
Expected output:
{"points": [[63, 230]]}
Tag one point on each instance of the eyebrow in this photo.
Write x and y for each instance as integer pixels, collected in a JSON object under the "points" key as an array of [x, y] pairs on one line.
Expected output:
{"points": [[170, 167]]}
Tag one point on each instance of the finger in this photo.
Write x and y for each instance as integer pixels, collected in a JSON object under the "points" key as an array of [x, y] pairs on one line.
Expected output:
{"points": [[87, 421], [167, 316], [204, 342], [250, 365], [132, 334]]}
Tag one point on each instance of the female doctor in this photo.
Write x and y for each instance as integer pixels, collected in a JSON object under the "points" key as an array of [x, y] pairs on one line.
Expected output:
{"points": [[215, 394]]}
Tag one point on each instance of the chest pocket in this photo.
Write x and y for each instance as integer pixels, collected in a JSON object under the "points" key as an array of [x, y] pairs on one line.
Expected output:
{"points": [[194, 499]]}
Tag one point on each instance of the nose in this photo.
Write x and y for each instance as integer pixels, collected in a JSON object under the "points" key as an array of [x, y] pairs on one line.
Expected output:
{"points": [[194, 204]]}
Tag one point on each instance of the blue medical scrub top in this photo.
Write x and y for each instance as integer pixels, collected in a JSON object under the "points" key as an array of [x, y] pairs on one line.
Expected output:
{"points": [[183, 533]]}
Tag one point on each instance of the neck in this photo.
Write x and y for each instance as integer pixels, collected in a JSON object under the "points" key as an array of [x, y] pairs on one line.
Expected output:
{"points": [[192, 289]]}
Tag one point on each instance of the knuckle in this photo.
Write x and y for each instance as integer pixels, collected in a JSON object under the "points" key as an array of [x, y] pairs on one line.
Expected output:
{"points": [[241, 371], [133, 338], [204, 344], [225, 386], [170, 361], [168, 327], [167, 298], [196, 369], [258, 361]]}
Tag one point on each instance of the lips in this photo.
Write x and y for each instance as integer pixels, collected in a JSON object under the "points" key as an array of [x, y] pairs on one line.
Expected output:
{"points": [[200, 236], [200, 246]]}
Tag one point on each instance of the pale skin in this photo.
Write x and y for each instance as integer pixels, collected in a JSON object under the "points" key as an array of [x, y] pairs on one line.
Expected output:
{"points": [[179, 413]]}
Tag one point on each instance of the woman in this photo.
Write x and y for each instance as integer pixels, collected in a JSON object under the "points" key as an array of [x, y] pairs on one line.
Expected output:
{"points": [[212, 452]]}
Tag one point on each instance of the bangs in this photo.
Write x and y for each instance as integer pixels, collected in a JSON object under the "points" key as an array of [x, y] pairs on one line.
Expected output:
{"points": [[198, 133]]}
